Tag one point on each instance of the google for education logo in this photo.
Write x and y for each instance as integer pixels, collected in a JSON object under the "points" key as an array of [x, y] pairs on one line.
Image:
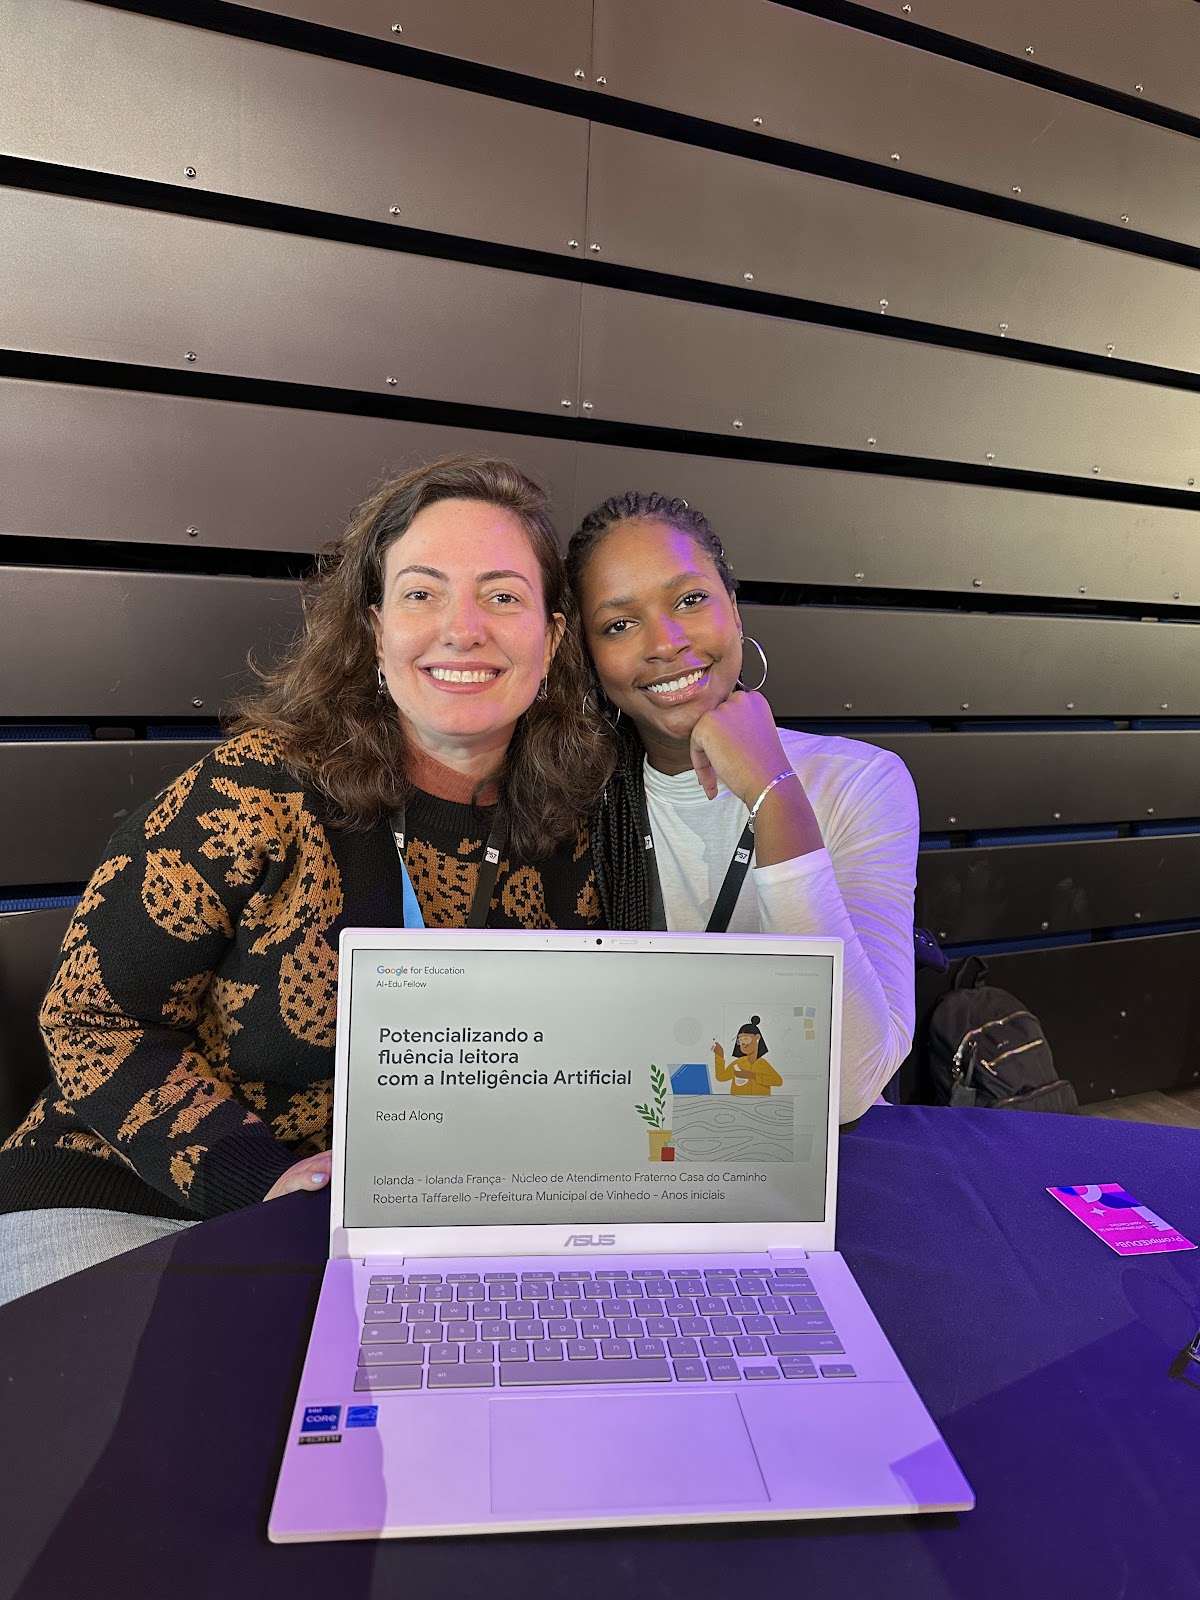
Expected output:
{"points": [[393, 972]]}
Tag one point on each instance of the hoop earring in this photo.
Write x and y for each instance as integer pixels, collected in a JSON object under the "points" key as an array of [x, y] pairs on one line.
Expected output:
{"points": [[746, 639]]}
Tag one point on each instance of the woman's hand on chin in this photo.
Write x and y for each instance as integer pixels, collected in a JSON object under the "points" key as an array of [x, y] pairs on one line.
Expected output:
{"points": [[738, 744], [309, 1176]]}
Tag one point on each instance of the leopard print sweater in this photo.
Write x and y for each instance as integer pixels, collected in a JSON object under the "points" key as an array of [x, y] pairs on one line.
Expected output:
{"points": [[190, 1022]]}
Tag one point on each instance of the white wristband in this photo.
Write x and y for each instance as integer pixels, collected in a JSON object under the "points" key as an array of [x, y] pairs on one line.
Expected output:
{"points": [[779, 778]]}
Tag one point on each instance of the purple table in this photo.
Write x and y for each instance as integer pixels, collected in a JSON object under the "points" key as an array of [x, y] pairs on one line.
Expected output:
{"points": [[144, 1402]]}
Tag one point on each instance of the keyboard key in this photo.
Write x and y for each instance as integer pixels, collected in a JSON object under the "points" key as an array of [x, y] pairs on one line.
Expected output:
{"points": [[615, 1349], [839, 1370], [582, 1350], [627, 1328], [760, 1372], [471, 1291], [661, 1327], [648, 1272], [437, 1292], [562, 1328], [758, 1324], [427, 1333], [385, 1333], [807, 1322], [478, 1352], [798, 1372], [462, 1277], [387, 1277], [790, 1272], [503, 1291], [547, 1349], [804, 1302], [628, 1290], [691, 1287], [568, 1291], [725, 1324], [390, 1355], [377, 1297], [459, 1331], [376, 1378], [595, 1328], [612, 1308], [416, 1313], [749, 1345], [535, 1291], [752, 1286], [513, 1350], [444, 1353], [615, 1273], [521, 1374], [646, 1308], [716, 1347], [537, 1277], [678, 1307], [406, 1294], [682, 1347], [383, 1314], [690, 1371], [480, 1377], [712, 1305], [723, 1370], [721, 1286], [649, 1347], [696, 1327], [499, 1277], [424, 1277], [805, 1344], [528, 1330], [578, 1277], [489, 1329], [774, 1305]]}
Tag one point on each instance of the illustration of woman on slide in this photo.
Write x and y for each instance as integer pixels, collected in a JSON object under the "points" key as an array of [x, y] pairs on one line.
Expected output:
{"points": [[749, 1072]]}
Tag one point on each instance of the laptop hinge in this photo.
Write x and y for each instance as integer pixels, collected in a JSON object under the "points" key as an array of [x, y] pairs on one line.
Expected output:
{"points": [[788, 1255]]}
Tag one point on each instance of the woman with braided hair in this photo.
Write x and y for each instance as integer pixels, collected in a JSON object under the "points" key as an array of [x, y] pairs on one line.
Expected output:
{"points": [[713, 816]]}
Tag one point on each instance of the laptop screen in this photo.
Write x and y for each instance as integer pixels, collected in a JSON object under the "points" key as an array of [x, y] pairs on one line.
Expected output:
{"points": [[494, 1087]]}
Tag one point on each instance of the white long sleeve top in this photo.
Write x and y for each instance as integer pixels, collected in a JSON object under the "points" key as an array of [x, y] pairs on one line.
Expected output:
{"points": [[859, 888]]}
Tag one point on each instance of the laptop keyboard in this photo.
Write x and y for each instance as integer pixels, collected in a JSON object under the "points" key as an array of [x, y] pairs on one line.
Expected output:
{"points": [[512, 1330]]}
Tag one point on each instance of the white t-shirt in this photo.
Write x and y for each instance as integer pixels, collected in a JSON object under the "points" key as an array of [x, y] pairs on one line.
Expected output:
{"points": [[859, 888]]}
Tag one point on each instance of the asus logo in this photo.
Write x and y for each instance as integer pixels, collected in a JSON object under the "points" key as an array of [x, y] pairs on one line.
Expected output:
{"points": [[588, 1241]]}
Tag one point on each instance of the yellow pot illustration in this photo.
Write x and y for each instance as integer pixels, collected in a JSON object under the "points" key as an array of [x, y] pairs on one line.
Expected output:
{"points": [[658, 1138]]}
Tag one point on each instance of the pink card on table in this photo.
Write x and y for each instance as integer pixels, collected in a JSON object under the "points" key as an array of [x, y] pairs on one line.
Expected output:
{"points": [[1125, 1224]]}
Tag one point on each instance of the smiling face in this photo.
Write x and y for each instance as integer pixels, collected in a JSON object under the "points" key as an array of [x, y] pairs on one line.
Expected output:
{"points": [[747, 1044], [663, 632], [461, 633]]}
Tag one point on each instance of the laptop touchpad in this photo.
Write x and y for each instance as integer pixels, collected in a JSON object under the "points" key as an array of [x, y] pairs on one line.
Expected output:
{"points": [[634, 1452]]}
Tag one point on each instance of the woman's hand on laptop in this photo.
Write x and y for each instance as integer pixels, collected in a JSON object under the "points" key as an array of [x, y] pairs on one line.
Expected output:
{"points": [[310, 1175]]}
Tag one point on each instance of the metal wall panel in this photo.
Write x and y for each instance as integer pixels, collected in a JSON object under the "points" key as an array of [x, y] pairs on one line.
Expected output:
{"points": [[1034, 779], [80, 643], [59, 803], [1020, 891], [826, 661], [107, 464], [678, 364], [121, 284], [541, 38], [812, 525], [87, 86], [1147, 48], [701, 213], [823, 84]]}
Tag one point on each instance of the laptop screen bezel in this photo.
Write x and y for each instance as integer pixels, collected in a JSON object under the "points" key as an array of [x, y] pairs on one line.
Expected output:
{"points": [[556, 1238]]}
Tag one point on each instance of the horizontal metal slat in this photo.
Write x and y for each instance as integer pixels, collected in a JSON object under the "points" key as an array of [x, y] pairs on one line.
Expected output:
{"points": [[60, 803], [678, 364], [751, 64], [77, 642], [1120, 1017], [792, 524], [112, 464], [1149, 49], [683, 209], [121, 284], [826, 661], [1051, 779], [89, 86], [540, 38], [1017, 891]]}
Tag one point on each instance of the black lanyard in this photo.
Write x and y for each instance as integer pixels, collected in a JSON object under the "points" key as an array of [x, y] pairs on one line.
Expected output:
{"points": [[489, 867], [735, 876]]}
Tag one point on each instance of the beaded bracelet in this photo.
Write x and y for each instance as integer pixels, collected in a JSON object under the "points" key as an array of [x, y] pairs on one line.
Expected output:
{"points": [[779, 778]]}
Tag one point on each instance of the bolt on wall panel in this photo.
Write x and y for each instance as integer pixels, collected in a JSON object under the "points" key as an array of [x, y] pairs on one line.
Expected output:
{"points": [[790, 524], [827, 661], [87, 86], [75, 642], [1022, 891], [59, 803], [675, 363], [1149, 48], [1031, 779], [756, 65], [121, 284], [118, 465], [540, 38], [726, 219]]}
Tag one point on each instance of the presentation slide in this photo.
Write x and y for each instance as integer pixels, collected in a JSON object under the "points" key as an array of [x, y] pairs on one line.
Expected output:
{"points": [[529, 1086]]}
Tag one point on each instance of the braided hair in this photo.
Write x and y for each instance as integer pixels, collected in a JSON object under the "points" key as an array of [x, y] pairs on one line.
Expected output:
{"points": [[618, 842]]}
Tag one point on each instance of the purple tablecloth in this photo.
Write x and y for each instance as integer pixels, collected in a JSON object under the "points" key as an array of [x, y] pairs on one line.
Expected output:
{"points": [[144, 1402]]}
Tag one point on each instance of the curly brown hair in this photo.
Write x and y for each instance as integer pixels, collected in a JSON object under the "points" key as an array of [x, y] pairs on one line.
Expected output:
{"points": [[349, 742]]}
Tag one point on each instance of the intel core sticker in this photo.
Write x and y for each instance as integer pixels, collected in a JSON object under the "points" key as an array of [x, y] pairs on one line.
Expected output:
{"points": [[320, 1419], [362, 1416]]}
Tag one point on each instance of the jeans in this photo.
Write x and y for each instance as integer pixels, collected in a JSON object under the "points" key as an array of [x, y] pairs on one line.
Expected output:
{"points": [[40, 1247]]}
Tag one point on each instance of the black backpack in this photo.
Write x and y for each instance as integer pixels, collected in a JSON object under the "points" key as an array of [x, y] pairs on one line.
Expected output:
{"points": [[985, 1049]]}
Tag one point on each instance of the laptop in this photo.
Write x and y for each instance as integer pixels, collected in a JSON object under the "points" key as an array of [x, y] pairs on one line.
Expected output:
{"points": [[581, 1260]]}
